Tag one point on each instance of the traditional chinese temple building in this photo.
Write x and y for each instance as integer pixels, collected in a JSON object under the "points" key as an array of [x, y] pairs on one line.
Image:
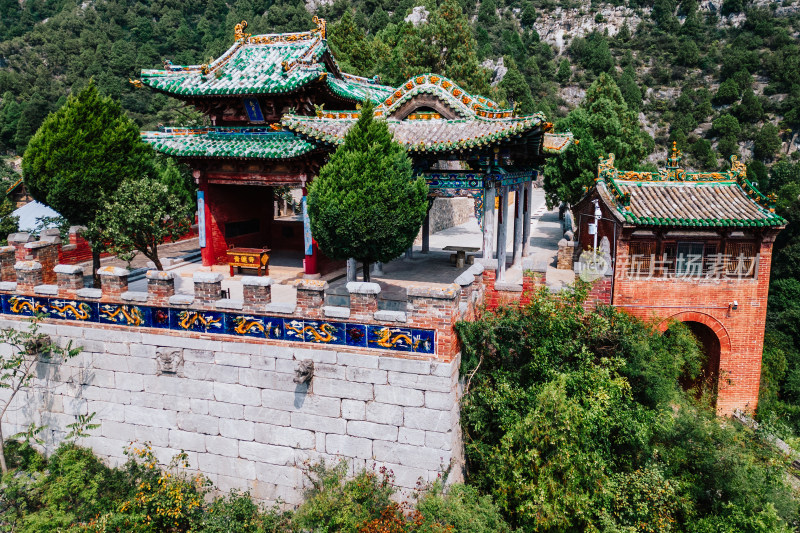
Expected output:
{"points": [[279, 105], [693, 247]]}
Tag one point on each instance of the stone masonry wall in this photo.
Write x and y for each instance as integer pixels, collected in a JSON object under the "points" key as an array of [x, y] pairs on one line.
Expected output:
{"points": [[234, 408]]}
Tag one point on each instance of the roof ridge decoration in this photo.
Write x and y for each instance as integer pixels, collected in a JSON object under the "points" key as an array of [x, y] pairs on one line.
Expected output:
{"points": [[462, 102], [619, 184]]}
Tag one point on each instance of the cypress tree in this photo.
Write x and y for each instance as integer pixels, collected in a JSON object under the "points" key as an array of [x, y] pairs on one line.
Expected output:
{"points": [[365, 203], [82, 152]]}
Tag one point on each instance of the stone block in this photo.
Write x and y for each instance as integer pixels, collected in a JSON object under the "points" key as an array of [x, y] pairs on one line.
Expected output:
{"points": [[371, 430], [199, 356], [185, 440], [367, 375], [232, 359], [360, 287], [181, 299], [267, 379], [208, 425], [127, 381], [390, 316], [283, 436], [177, 386], [243, 430], [442, 401], [353, 410], [342, 389], [89, 293], [414, 456], [399, 395], [439, 441], [266, 453], [319, 423], [348, 446], [357, 359], [421, 382], [222, 446], [331, 311], [46, 290], [384, 413], [229, 303], [282, 476], [405, 477], [301, 401], [411, 366], [198, 406], [232, 393], [106, 411], [207, 277], [211, 372], [266, 415], [145, 416], [429, 419], [445, 369], [230, 466], [232, 411], [156, 436], [414, 437], [134, 296], [117, 430]]}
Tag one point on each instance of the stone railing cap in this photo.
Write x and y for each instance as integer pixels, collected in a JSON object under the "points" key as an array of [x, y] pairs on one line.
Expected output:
{"points": [[466, 278], [47, 290], [443, 293], [37, 244], [51, 239], [363, 287], [89, 293], [159, 274], [113, 271], [9, 286], [487, 264], [229, 303], [257, 281], [134, 296], [68, 269], [508, 286], [181, 299], [476, 269], [27, 265], [311, 284], [207, 277], [22, 236], [7, 249], [390, 316]]}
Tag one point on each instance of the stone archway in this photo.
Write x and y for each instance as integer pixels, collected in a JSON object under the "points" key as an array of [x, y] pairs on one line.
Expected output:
{"points": [[715, 342]]}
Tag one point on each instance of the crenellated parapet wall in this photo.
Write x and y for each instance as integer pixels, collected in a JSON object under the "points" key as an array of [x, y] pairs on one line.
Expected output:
{"points": [[424, 330]]}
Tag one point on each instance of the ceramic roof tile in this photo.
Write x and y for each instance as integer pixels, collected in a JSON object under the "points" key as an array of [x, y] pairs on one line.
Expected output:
{"points": [[421, 135], [674, 197], [260, 143]]}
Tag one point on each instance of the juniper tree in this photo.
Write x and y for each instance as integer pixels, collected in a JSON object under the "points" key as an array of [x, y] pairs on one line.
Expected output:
{"points": [[82, 152], [365, 203]]}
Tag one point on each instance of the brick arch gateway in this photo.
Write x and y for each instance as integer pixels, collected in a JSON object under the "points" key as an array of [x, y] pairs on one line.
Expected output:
{"points": [[715, 342]]}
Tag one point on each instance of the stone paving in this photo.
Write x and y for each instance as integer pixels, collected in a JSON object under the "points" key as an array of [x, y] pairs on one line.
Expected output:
{"points": [[433, 268]]}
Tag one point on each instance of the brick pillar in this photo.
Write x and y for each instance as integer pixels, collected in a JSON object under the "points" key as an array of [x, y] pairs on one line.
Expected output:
{"points": [[18, 241], [69, 279], [160, 286], [207, 287], [363, 299], [566, 254], [257, 293], [45, 253], [7, 260], [29, 275], [113, 282], [311, 297], [467, 283], [436, 308]]}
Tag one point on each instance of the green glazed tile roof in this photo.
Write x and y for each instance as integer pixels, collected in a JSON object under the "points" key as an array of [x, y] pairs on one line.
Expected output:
{"points": [[674, 197], [246, 143], [434, 135], [265, 64]]}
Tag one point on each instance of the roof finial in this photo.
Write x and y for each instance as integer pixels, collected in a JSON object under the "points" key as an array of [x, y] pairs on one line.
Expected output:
{"points": [[320, 22], [238, 31], [675, 159]]}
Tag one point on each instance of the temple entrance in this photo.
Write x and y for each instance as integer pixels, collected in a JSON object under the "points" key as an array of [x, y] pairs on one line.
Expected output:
{"points": [[708, 379]]}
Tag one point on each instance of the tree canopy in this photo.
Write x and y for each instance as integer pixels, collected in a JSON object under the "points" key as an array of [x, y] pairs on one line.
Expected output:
{"points": [[365, 203], [603, 124], [81, 152]]}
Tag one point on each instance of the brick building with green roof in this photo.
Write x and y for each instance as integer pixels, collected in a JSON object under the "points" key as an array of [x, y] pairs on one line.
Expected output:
{"points": [[279, 104], [694, 247]]}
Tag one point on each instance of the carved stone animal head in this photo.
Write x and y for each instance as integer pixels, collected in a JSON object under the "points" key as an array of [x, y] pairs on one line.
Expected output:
{"points": [[169, 360], [304, 371]]}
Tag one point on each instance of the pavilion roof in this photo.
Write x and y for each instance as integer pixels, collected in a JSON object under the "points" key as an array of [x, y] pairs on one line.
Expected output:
{"points": [[674, 197], [266, 64], [219, 142]]}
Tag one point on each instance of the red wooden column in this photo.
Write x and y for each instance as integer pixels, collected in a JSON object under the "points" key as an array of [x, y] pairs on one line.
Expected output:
{"points": [[309, 244]]}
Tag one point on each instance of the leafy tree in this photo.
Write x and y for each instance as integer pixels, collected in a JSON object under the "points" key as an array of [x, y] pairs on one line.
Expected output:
{"points": [[25, 349], [516, 90], [140, 216], [603, 124], [593, 53], [727, 93], [630, 89], [81, 152], [750, 109], [365, 203], [766, 142], [564, 72]]}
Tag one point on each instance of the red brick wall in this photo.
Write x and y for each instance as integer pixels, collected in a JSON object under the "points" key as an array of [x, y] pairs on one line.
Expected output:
{"points": [[740, 332], [494, 298]]}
